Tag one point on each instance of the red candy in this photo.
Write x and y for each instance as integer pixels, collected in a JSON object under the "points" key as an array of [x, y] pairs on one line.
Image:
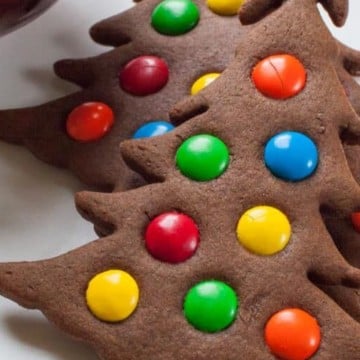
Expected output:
{"points": [[89, 121], [144, 75], [172, 237], [279, 76], [355, 219], [292, 334]]}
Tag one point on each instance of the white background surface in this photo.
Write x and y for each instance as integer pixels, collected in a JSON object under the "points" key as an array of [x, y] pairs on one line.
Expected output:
{"points": [[37, 216]]}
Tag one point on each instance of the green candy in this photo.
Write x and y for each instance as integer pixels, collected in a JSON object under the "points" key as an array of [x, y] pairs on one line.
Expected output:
{"points": [[211, 306], [202, 157], [175, 17]]}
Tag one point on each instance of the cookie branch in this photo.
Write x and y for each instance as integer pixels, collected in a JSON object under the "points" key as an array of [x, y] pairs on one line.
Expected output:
{"points": [[350, 59], [254, 10]]}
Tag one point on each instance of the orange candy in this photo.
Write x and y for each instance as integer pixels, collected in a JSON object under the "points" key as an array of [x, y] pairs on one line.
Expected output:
{"points": [[279, 76], [355, 219], [89, 121], [292, 334]]}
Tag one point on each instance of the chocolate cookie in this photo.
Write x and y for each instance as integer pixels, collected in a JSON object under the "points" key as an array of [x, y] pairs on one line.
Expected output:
{"points": [[224, 256], [152, 66], [343, 229], [132, 89]]}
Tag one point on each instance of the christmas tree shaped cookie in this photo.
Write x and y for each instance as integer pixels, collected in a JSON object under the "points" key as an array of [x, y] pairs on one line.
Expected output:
{"points": [[164, 50], [161, 49], [224, 257], [344, 230]]}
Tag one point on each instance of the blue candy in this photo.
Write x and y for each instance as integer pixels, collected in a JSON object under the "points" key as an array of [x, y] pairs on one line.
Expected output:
{"points": [[291, 156], [153, 128]]}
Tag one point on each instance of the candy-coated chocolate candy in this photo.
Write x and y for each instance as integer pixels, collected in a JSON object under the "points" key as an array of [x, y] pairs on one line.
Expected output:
{"points": [[144, 75], [279, 76], [292, 334], [112, 295], [211, 306], [264, 230], [224, 7], [355, 219], [203, 82], [291, 156], [175, 17], [89, 121], [153, 128], [202, 157], [172, 237]]}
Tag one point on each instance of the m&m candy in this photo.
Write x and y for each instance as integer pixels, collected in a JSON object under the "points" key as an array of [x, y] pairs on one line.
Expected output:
{"points": [[203, 81], [153, 128], [264, 230], [211, 306], [172, 237], [279, 76], [355, 219], [89, 121], [112, 295], [224, 7], [292, 334], [202, 157], [144, 75], [175, 17], [291, 156]]}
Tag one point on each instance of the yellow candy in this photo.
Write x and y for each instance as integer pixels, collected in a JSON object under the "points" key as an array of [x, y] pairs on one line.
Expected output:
{"points": [[203, 82], [225, 7], [112, 295], [264, 230]]}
